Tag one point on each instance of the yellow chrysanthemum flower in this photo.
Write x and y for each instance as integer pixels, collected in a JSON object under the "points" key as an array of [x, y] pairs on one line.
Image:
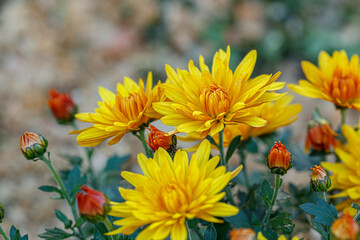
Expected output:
{"points": [[336, 80], [346, 175], [260, 236], [277, 114], [120, 113], [171, 191], [203, 101]]}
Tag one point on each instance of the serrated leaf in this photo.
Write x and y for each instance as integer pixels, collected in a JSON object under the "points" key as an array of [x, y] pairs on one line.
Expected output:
{"points": [[114, 163], [212, 141], [240, 220], [355, 206], [63, 218], [234, 144], [15, 234], [46, 188], [54, 233], [193, 223], [266, 192], [324, 213], [319, 228], [282, 222], [74, 181], [210, 233]]}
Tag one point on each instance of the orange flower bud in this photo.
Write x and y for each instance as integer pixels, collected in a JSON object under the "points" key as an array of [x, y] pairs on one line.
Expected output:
{"points": [[242, 234], [159, 138], [62, 106], [345, 228], [279, 159], [320, 182], [93, 205], [33, 145], [320, 136]]}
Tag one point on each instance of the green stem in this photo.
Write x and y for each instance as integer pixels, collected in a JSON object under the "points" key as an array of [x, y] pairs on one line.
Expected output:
{"points": [[62, 188], [273, 199], [2, 232], [188, 230], [144, 143], [343, 115], [223, 162], [110, 227]]}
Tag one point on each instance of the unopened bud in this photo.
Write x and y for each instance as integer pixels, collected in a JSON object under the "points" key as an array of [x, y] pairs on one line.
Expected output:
{"points": [[320, 136], [345, 228], [242, 234], [158, 138], [320, 182], [33, 145], [93, 205], [62, 106], [279, 159]]}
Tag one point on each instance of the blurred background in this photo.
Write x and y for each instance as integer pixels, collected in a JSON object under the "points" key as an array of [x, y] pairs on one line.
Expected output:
{"points": [[79, 45]]}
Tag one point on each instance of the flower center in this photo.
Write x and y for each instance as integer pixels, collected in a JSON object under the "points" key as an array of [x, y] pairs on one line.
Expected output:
{"points": [[174, 198], [215, 100], [132, 105], [345, 85]]}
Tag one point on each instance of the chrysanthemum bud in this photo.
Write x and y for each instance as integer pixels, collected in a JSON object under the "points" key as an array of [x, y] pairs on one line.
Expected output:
{"points": [[345, 228], [159, 139], [242, 234], [320, 136], [93, 205], [279, 159], [62, 106], [320, 182], [33, 145], [2, 212]]}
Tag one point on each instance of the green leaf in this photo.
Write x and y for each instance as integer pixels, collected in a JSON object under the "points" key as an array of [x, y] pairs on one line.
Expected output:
{"points": [[240, 220], [79, 222], [324, 213], [114, 163], [283, 223], [15, 234], [266, 193], [234, 144], [101, 227], [212, 141], [63, 218], [193, 223], [54, 233], [74, 181], [319, 228], [210, 233], [46, 188], [355, 206], [251, 146]]}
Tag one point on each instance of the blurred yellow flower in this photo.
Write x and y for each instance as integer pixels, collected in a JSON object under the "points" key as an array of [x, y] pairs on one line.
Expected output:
{"points": [[203, 101], [171, 191], [126, 111], [346, 175], [277, 114], [336, 80]]}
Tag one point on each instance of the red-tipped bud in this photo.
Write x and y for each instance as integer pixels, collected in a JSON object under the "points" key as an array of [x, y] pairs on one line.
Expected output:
{"points": [[279, 159], [159, 139], [345, 228], [242, 234], [93, 205], [33, 145], [320, 182], [320, 136], [62, 106]]}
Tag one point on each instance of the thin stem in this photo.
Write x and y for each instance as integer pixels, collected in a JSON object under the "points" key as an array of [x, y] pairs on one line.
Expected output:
{"points": [[62, 188], [343, 115], [3, 233], [110, 227], [273, 199], [188, 230], [323, 196], [141, 136], [223, 162]]}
